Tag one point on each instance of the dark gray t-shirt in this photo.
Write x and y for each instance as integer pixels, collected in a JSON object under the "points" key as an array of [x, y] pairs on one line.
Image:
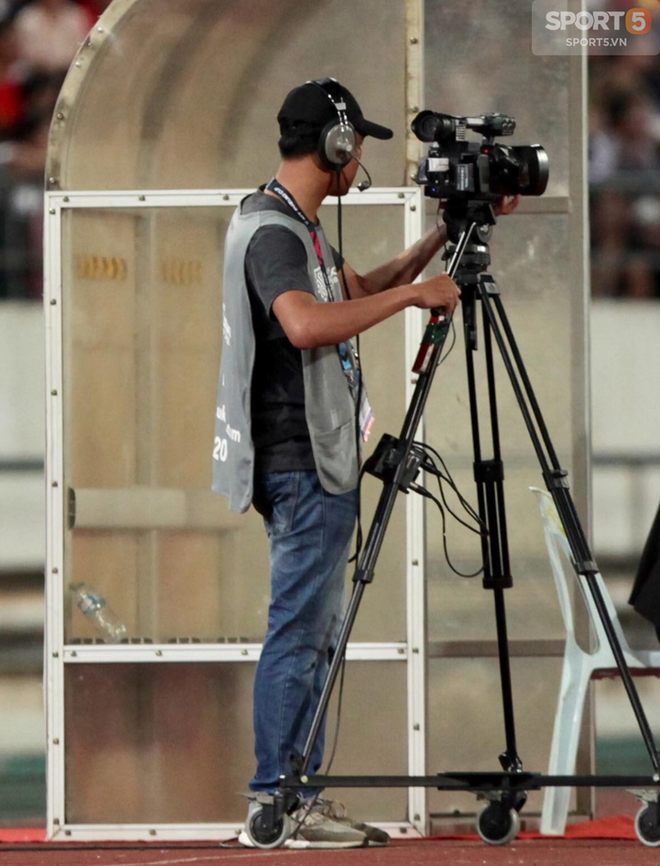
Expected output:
{"points": [[276, 262]]}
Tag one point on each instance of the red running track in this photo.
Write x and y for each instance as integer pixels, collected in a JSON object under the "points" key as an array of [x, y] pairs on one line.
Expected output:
{"points": [[453, 852], [609, 842]]}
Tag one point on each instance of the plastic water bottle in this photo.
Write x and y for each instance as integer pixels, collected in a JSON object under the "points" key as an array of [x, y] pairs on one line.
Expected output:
{"points": [[95, 607]]}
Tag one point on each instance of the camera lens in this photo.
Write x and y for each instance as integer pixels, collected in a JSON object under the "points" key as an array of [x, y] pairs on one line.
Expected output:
{"points": [[431, 126], [535, 169], [519, 170]]}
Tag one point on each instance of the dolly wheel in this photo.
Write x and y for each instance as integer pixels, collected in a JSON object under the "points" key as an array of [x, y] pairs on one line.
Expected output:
{"points": [[497, 824], [262, 836], [647, 827]]}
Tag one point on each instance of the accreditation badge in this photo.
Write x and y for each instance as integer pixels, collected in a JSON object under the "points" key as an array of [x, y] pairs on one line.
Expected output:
{"points": [[350, 364]]}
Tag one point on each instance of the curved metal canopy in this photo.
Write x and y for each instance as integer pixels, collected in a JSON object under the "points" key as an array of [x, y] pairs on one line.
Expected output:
{"points": [[183, 94]]}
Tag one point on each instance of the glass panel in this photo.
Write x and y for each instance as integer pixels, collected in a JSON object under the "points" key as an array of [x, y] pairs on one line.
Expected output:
{"points": [[534, 90], [466, 729], [196, 107], [137, 754], [142, 313]]}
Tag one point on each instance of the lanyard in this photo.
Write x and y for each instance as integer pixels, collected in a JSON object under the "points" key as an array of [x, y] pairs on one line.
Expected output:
{"points": [[283, 193], [347, 355]]}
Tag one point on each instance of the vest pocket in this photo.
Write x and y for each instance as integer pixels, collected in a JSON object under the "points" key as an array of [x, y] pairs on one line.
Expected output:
{"points": [[336, 461]]}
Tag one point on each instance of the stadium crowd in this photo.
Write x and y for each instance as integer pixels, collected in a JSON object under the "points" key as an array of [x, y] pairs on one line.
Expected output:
{"points": [[38, 39], [624, 175]]}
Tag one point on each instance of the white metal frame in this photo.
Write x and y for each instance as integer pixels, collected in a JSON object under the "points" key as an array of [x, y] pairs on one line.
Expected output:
{"points": [[413, 651]]}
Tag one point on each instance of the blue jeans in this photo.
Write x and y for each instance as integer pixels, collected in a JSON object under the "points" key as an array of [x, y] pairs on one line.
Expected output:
{"points": [[310, 532]]}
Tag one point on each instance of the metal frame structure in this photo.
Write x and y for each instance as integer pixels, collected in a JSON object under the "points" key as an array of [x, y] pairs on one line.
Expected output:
{"points": [[59, 654], [416, 650]]}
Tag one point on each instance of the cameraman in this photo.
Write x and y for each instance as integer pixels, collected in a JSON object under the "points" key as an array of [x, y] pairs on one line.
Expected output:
{"points": [[286, 419]]}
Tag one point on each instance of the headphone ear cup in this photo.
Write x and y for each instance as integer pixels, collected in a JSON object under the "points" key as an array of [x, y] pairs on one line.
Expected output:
{"points": [[336, 144]]}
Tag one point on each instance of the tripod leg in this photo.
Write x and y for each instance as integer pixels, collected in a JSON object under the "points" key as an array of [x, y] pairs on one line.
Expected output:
{"points": [[555, 479], [489, 476], [367, 561], [510, 760], [364, 575]]}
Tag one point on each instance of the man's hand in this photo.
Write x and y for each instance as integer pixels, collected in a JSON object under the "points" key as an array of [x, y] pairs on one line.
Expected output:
{"points": [[438, 292], [506, 205]]}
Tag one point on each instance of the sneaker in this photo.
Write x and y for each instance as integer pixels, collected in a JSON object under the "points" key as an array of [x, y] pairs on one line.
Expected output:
{"points": [[313, 829], [337, 812]]}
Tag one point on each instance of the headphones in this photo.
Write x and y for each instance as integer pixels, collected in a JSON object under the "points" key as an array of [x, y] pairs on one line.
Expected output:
{"points": [[337, 140]]}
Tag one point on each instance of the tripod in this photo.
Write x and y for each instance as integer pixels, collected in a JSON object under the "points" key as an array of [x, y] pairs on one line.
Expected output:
{"points": [[397, 462]]}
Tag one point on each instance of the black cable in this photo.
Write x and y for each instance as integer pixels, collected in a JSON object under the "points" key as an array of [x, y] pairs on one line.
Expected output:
{"points": [[359, 538], [429, 466], [313, 800], [448, 478], [443, 357], [424, 492], [358, 534], [339, 703], [347, 293], [339, 229], [300, 821], [432, 468], [480, 529]]}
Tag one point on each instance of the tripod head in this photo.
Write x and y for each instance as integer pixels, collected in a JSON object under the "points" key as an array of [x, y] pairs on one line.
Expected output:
{"points": [[469, 226], [459, 214], [477, 218]]}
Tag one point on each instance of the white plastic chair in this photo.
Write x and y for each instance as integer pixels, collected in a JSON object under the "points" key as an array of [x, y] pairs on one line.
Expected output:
{"points": [[579, 665]]}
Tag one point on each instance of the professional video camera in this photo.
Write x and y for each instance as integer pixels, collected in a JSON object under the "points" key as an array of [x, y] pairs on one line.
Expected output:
{"points": [[457, 169]]}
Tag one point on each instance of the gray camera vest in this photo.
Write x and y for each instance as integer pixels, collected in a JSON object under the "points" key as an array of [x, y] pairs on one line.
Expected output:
{"points": [[329, 406]]}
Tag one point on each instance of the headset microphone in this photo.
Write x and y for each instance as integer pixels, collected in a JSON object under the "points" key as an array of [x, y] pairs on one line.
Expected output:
{"points": [[365, 184]]}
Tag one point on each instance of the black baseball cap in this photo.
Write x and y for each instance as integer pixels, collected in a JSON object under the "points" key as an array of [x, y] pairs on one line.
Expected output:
{"points": [[312, 106]]}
